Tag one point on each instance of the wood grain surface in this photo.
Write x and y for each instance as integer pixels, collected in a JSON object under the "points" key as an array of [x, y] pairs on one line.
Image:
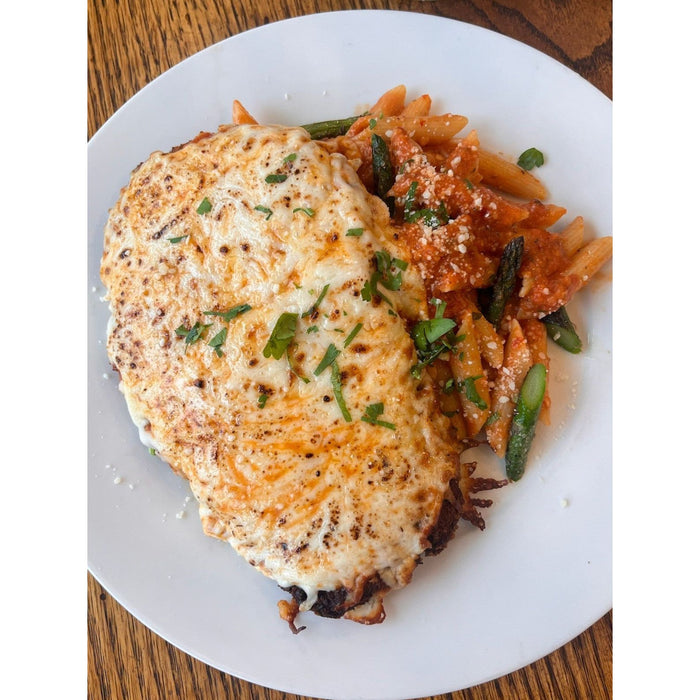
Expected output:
{"points": [[131, 42]]}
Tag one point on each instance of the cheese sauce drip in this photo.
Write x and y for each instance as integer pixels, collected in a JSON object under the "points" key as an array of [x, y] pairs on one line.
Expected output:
{"points": [[276, 451]]}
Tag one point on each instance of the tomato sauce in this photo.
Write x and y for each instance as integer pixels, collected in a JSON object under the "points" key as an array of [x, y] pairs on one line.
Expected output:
{"points": [[457, 230]]}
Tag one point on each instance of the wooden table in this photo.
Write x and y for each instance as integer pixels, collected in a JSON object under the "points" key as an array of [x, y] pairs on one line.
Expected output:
{"points": [[131, 42]]}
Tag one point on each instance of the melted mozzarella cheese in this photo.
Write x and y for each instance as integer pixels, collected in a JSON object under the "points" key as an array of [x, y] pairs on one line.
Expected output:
{"points": [[310, 498]]}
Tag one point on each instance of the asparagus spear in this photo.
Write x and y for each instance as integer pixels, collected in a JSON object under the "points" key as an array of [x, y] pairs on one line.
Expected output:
{"points": [[329, 128], [562, 331], [382, 171], [522, 429], [505, 279]]}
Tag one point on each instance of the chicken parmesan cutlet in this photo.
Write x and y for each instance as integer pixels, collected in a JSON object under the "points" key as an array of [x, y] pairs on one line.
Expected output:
{"points": [[261, 314]]}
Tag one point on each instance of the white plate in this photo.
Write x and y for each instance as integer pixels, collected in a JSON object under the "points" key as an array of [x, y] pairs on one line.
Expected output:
{"points": [[494, 601]]}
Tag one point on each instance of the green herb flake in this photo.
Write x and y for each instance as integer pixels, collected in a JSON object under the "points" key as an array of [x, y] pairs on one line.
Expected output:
{"points": [[430, 217], [328, 359], [192, 335], [352, 334], [218, 340], [262, 400], [317, 303], [273, 178], [404, 165], [469, 389], [433, 337], [307, 210], [204, 206], [426, 333], [336, 383], [466, 386], [355, 232], [372, 123], [290, 158], [410, 199], [492, 418], [229, 315], [531, 158], [385, 266], [264, 210], [282, 335], [312, 329], [178, 239], [388, 274], [372, 413]]}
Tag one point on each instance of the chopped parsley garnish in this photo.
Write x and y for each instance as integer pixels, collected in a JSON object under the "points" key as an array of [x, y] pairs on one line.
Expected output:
{"points": [[177, 239], [388, 274], [307, 210], [328, 359], [262, 400], [231, 313], [337, 385], [282, 334], [385, 264], [430, 217], [492, 418], [467, 387], [372, 413], [264, 210], [312, 329], [290, 158], [355, 232], [204, 206], [317, 303], [352, 335], [532, 158], [372, 123], [433, 337], [403, 165], [426, 333], [410, 199], [275, 177], [192, 335], [218, 340], [367, 292]]}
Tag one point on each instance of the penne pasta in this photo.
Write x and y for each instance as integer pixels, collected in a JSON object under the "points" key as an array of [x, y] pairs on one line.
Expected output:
{"points": [[489, 341], [425, 131], [536, 335], [517, 360], [391, 102], [241, 115], [467, 370], [449, 401], [589, 259], [508, 177], [420, 107], [572, 236]]}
